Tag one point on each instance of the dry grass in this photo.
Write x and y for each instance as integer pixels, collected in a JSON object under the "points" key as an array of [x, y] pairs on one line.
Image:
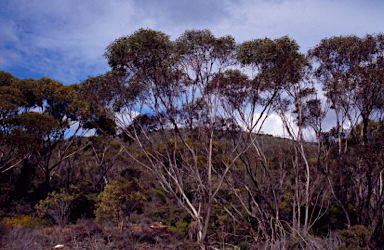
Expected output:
{"points": [[20, 238], [88, 234], [307, 243]]}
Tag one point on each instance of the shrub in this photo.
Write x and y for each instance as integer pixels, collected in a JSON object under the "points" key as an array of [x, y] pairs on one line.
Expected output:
{"points": [[57, 206], [119, 199], [181, 228], [20, 238], [23, 221], [86, 229], [243, 245], [354, 238]]}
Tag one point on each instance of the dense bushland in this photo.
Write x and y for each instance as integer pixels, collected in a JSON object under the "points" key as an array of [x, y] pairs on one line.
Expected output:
{"points": [[167, 148]]}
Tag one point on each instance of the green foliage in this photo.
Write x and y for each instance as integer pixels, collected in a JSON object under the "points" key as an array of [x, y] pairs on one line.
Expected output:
{"points": [[180, 229], [188, 245], [354, 238], [56, 206], [119, 200], [24, 221], [279, 61], [143, 48], [35, 120], [243, 245]]}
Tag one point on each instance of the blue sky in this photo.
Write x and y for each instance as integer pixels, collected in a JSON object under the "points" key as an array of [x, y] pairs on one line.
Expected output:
{"points": [[65, 39]]}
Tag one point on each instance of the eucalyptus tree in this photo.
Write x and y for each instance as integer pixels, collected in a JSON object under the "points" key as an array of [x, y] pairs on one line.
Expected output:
{"points": [[169, 99], [302, 114], [336, 57], [160, 86], [104, 158], [36, 121], [12, 102], [350, 70], [276, 66]]}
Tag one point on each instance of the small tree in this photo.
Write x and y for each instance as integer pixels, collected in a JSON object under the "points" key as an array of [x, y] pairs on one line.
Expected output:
{"points": [[56, 206], [119, 200]]}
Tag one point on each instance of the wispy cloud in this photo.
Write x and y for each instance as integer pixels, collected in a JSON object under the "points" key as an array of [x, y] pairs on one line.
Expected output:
{"points": [[65, 40]]}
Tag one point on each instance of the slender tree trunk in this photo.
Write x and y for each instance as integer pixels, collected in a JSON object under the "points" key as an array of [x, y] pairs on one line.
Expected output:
{"points": [[343, 199]]}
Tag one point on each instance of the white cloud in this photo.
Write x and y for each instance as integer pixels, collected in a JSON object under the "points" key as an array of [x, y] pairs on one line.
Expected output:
{"points": [[305, 21], [125, 117], [272, 125], [65, 40], [81, 132]]}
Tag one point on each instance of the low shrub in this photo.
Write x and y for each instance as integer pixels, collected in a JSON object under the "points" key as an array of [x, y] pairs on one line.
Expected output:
{"points": [[56, 206], [243, 245], [21, 238], [354, 238], [119, 200], [26, 221], [180, 229]]}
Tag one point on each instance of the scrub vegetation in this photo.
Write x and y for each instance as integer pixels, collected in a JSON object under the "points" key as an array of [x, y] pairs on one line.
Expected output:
{"points": [[166, 150]]}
